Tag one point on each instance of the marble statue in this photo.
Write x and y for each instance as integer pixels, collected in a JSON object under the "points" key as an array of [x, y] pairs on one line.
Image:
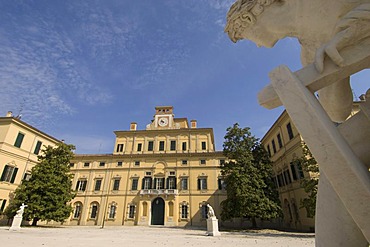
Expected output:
{"points": [[212, 222], [21, 210], [17, 220], [335, 43], [211, 212]]}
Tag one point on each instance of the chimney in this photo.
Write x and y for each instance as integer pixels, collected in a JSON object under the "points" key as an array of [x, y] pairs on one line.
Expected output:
{"points": [[193, 124], [9, 114], [133, 126]]}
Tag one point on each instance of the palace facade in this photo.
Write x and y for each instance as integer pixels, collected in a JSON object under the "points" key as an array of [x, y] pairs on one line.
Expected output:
{"points": [[163, 175], [20, 143]]}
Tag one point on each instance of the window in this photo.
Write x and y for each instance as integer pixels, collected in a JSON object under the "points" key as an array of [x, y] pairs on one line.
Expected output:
{"points": [[86, 164], [9, 174], [288, 180], [173, 146], [269, 150], [221, 184], [71, 165], [184, 183], [2, 207], [147, 183], [112, 211], [184, 162], [27, 176], [161, 146], [202, 183], [296, 168], [184, 211], [137, 163], [139, 147], [102, 163], [97, 184], [279, 140], [134, 183], [150, 145], [171, 183], [37, 148], [184, 146], [77, 212], [94, 211], [119, 163], [19, 140], [159, 183], [290, 131], [81, 185], [222, 162], [119, 148], [131, 212], [116, 182], [202, 162], [273, 146], [204, 146]]}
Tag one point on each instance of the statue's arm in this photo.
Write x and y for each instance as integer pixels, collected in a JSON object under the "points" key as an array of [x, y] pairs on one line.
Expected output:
{"points": [[352, 28]]}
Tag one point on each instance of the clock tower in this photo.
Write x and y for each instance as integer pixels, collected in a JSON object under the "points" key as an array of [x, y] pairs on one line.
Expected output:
{"points": [[163, 117]]}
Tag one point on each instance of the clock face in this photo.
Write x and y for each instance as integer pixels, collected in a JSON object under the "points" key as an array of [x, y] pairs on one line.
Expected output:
{"points": [[163, 122]]}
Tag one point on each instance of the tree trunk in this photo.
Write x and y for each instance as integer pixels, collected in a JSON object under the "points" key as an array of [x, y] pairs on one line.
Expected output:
{"points": [[34, 221], [254, 222]]}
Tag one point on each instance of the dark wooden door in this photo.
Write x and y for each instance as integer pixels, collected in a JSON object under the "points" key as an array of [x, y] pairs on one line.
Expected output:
{"points": [[158, 211]]}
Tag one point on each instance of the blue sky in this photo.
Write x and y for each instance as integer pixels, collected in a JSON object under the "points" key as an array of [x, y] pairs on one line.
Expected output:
{"points": [[79, 70]]}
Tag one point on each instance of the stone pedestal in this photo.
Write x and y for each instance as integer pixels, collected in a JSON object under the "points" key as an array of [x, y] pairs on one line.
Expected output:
{"points": [[212, 227], [16, 224]]}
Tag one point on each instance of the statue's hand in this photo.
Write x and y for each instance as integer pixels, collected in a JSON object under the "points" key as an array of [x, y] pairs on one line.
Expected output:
{"points": [[331, 48]]}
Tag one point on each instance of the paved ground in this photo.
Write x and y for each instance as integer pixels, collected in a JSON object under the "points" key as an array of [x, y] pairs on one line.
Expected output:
{"points": [[147, 236]]}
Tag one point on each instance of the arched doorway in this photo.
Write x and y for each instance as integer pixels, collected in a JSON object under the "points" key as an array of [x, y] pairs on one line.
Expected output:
{"points": [[158, 211]]}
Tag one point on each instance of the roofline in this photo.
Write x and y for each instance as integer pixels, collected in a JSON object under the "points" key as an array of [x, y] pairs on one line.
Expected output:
{"points": [[20, 122], [125, 156]]}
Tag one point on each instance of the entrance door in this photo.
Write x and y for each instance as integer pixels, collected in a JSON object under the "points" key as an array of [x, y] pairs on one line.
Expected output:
{"points": [[158, 211]]}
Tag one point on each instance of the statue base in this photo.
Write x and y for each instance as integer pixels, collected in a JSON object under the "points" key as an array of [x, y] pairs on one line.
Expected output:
{"points": [[212, 227], [16, 224]]}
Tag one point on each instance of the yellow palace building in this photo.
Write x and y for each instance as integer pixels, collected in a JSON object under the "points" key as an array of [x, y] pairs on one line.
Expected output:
{"points": [[163, 175]]}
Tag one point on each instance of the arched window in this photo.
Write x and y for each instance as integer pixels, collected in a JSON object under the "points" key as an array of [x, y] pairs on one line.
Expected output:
{"points": [[94, 208], [77, 210], [184, 210], [112, 210]]}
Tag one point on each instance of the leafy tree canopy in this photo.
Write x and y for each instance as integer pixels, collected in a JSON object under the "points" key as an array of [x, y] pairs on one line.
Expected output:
{"points": [[49, 189], [248, 175], [310, 185]]}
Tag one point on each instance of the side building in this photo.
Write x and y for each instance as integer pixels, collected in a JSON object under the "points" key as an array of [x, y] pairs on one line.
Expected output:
{"points": [[163, 175], [283, 143], [20, 143]]}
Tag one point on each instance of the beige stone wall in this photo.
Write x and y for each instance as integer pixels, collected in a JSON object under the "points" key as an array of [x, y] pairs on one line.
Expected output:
{"points": [[19, 159], [287, 174]]}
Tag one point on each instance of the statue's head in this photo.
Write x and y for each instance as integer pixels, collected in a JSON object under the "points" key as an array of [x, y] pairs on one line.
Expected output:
{"points": [[242, 18]]}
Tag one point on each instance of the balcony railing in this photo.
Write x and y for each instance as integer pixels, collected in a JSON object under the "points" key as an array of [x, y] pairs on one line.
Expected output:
{"points": [[159, 192]]}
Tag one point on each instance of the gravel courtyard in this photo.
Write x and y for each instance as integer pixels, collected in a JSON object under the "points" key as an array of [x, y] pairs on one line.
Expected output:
{"points": [[147, 236]]}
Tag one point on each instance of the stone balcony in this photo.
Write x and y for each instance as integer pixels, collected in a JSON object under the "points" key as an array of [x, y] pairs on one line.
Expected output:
{"points": [[159, 192]]}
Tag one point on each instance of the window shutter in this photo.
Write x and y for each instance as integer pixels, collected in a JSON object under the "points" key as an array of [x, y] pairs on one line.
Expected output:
{"points": [[84, 186], [150, 183], [219, 184], [167, 183], [155, 183], [4, 172], [143, 182], [175, 182], [198, 184], [2, 206], [205, 185], [78, 184], [14, 174]]}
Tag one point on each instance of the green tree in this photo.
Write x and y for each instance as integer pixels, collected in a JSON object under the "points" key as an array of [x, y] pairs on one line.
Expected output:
{"points": [[251, 191], [310, 184], [49, 189]]}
